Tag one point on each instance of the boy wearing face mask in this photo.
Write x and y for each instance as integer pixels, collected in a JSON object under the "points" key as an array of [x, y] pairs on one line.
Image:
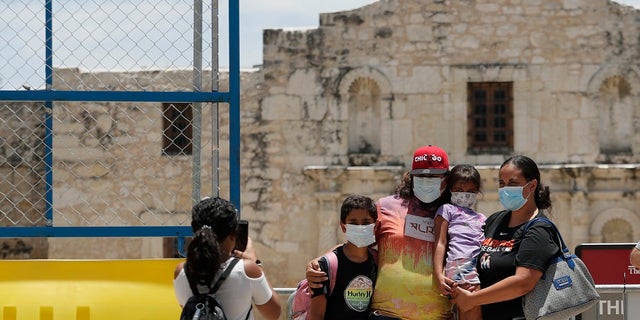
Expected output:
{"points": [[459, 235], [357, 266]]}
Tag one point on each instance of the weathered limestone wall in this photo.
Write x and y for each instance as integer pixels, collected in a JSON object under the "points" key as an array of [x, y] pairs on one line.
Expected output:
{"points": [[557, 53], [574, 68]]}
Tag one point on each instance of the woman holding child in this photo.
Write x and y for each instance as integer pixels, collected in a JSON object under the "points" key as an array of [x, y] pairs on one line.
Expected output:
{"points": [[511, 261]]}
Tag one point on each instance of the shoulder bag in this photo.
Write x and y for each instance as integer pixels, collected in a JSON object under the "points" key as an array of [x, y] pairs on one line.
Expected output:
{"points": [[566, 288]]}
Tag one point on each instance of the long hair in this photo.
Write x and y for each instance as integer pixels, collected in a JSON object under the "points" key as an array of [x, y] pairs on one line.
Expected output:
{"points": [[212, 221], [530, 171]]}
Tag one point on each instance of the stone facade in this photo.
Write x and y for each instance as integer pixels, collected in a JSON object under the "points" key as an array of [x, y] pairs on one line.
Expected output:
{"points": [[339, 110], [402, 67]]}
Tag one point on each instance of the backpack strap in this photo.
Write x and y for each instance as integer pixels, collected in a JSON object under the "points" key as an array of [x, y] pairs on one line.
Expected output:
{"points": [[249, 312], [224, 275], [332, 263]]}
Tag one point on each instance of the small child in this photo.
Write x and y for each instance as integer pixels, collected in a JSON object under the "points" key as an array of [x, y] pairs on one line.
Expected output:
{"points": [[459, 235], [357, 268]]}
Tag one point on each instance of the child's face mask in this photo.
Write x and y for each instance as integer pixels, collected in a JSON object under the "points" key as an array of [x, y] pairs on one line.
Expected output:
{"points": [[464, 199], [360, 235]]}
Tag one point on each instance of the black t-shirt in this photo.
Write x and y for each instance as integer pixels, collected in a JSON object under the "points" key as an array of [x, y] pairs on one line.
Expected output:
{"points": [[351, 296], [505, 248]]}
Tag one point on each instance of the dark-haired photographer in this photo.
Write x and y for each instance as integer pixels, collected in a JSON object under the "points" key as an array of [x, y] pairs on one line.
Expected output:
{"points": [[215, 225]]}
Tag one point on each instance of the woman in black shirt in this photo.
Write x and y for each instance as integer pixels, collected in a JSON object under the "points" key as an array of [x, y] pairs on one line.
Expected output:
{"points": [[511, 261]]}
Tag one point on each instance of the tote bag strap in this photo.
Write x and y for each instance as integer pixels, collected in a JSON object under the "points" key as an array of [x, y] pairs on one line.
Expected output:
{"points": [[566, 254]]}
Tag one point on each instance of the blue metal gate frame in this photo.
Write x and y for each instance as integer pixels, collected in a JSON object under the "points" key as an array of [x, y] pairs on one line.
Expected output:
{"points": [[49, 96]]}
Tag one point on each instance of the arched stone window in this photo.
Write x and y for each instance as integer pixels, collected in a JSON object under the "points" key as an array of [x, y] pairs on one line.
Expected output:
{"points": [[365, 96], [615, 111], [615, 225], [617, 230], [364, 117]]}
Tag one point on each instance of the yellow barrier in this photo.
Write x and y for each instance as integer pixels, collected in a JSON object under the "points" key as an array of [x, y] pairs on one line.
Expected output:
{"points": [[88, 289]]}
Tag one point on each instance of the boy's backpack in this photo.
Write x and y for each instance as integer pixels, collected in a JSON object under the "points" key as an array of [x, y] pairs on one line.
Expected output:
{"points": [[205, 306], [299, 301]]}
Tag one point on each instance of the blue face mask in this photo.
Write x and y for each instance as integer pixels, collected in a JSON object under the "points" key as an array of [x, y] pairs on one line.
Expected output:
{"points": [[511, 197]]}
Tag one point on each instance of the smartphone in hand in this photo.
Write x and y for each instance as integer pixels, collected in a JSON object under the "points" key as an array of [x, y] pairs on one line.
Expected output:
{"points": [[242, 235]]}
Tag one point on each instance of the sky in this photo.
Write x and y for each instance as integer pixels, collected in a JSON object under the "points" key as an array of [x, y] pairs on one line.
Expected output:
{"points": [[114, 35]]}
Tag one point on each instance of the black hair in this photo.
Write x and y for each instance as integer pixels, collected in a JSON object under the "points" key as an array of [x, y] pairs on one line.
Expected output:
{"points": [[530, 171], [355, 201], [212, 221], [404, 189], [464, 173]]}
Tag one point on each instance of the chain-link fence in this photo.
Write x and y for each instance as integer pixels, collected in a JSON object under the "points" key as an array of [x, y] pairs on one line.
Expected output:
{"points": [[113, 116], [106, 35]]}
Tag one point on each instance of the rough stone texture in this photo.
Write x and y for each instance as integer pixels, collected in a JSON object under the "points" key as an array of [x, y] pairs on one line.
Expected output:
{"points": [[573, 63]]}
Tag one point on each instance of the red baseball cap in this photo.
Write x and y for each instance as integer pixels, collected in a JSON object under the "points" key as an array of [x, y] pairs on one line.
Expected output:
{"points": [[430, 160]]}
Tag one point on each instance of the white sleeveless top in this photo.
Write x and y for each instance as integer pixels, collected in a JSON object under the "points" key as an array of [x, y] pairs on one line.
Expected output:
{"points": [[236, 294]]}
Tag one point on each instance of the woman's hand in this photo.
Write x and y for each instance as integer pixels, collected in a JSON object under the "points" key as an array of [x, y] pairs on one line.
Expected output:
{"points": [[249, 253], [314, 275], [470, 287], [462, 298]]}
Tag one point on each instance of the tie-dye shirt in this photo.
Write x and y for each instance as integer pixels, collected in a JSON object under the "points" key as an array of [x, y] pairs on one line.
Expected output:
{"points": [[406, 241]]}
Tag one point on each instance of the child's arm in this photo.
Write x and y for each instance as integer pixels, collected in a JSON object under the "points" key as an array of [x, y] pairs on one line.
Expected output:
{"points": [[319, 295], [318, 306], [441, 226]]}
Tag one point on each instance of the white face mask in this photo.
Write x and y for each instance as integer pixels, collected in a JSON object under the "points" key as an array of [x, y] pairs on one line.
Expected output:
{"points": [[360, 235], [427, 189], [464, 199]]}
